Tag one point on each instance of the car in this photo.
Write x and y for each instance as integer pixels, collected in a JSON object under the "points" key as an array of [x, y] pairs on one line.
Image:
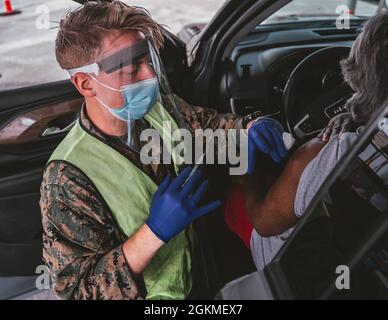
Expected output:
{"points": [[339, 249], [271, 57]]}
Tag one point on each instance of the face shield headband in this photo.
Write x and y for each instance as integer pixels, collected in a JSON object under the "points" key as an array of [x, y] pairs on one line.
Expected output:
{"points": [[117, 60]]}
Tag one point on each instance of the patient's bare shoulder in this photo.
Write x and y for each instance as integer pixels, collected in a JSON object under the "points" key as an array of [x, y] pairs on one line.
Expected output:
{"points": [[275, 213], [307, 152]]}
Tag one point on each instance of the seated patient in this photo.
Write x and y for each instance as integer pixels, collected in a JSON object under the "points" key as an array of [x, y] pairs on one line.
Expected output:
{"points": [[265, 217]]}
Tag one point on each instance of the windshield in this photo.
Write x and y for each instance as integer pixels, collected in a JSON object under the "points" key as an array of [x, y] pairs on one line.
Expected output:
{"points": [[312, 10]]}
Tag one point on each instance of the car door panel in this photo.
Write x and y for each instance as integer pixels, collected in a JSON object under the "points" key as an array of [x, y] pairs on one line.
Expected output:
{"points": [[41, 122], [32, 123]]}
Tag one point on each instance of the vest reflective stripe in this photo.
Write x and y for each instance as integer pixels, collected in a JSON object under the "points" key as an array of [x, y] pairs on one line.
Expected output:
{"points": [[128, 192]]}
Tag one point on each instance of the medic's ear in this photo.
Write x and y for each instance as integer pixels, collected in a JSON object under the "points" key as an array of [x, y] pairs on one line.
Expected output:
{"points": [[84, 84]]}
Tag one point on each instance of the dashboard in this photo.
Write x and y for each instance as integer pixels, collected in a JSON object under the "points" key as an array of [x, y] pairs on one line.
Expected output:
{"points": [[261, 64]]}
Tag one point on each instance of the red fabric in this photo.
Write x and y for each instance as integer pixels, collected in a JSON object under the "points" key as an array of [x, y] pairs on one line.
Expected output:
{"points": [[236, 216]]}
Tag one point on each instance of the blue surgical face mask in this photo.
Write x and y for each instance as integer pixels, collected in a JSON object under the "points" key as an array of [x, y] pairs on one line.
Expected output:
{"points": [[138, 98]]}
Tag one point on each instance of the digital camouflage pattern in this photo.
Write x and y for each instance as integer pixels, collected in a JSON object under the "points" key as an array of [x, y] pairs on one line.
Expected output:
{"points": [[81, 241]]}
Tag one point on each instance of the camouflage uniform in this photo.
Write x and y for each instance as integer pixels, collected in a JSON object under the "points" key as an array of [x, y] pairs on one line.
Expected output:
{"points": [[82, 243]]}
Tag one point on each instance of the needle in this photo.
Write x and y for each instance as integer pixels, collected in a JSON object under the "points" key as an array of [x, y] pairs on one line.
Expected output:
{"points": [[196, 166]]}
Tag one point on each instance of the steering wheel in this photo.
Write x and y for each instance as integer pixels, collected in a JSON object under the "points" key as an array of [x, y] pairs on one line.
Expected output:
{"points": [[304, 122]]}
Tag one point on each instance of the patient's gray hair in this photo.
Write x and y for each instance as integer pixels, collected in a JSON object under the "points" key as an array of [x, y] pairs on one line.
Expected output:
{"points": [[366, 69]]}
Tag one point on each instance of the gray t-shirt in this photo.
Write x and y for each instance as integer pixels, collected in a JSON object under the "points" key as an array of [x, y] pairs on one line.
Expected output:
{"points": [[264, 249]]}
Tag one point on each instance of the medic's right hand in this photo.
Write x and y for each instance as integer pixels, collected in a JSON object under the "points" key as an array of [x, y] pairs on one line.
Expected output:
{"points": [[176, 204]]}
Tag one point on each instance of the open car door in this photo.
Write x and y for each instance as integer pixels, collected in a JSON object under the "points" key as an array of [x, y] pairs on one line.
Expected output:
{"points": [[33, 121]]}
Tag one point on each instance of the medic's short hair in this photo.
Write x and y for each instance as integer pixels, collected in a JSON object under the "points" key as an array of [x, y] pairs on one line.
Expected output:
{"points": [[83, 30]]}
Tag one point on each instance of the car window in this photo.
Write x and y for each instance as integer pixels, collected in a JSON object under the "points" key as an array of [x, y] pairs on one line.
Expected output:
{"points": [[346, 235], [299, 11], [27, 38]]}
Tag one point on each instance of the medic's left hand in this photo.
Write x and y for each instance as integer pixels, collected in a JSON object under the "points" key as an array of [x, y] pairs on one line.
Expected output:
{"points": [[176, 204], [265, 136]]}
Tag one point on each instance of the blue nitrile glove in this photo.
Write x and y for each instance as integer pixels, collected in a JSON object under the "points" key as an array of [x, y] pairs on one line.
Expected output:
{"points": [[265, 136], [174, 207]]}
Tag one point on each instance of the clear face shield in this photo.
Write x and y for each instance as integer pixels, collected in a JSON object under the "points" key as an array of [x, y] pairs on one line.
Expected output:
{"points": [[130, 85]]}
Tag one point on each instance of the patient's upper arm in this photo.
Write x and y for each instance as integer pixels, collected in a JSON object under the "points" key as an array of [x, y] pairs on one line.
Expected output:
{"points": [[275, 213]]}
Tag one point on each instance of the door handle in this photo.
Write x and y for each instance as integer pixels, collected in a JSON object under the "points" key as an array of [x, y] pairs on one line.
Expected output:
{"points": [[56, 130]]}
